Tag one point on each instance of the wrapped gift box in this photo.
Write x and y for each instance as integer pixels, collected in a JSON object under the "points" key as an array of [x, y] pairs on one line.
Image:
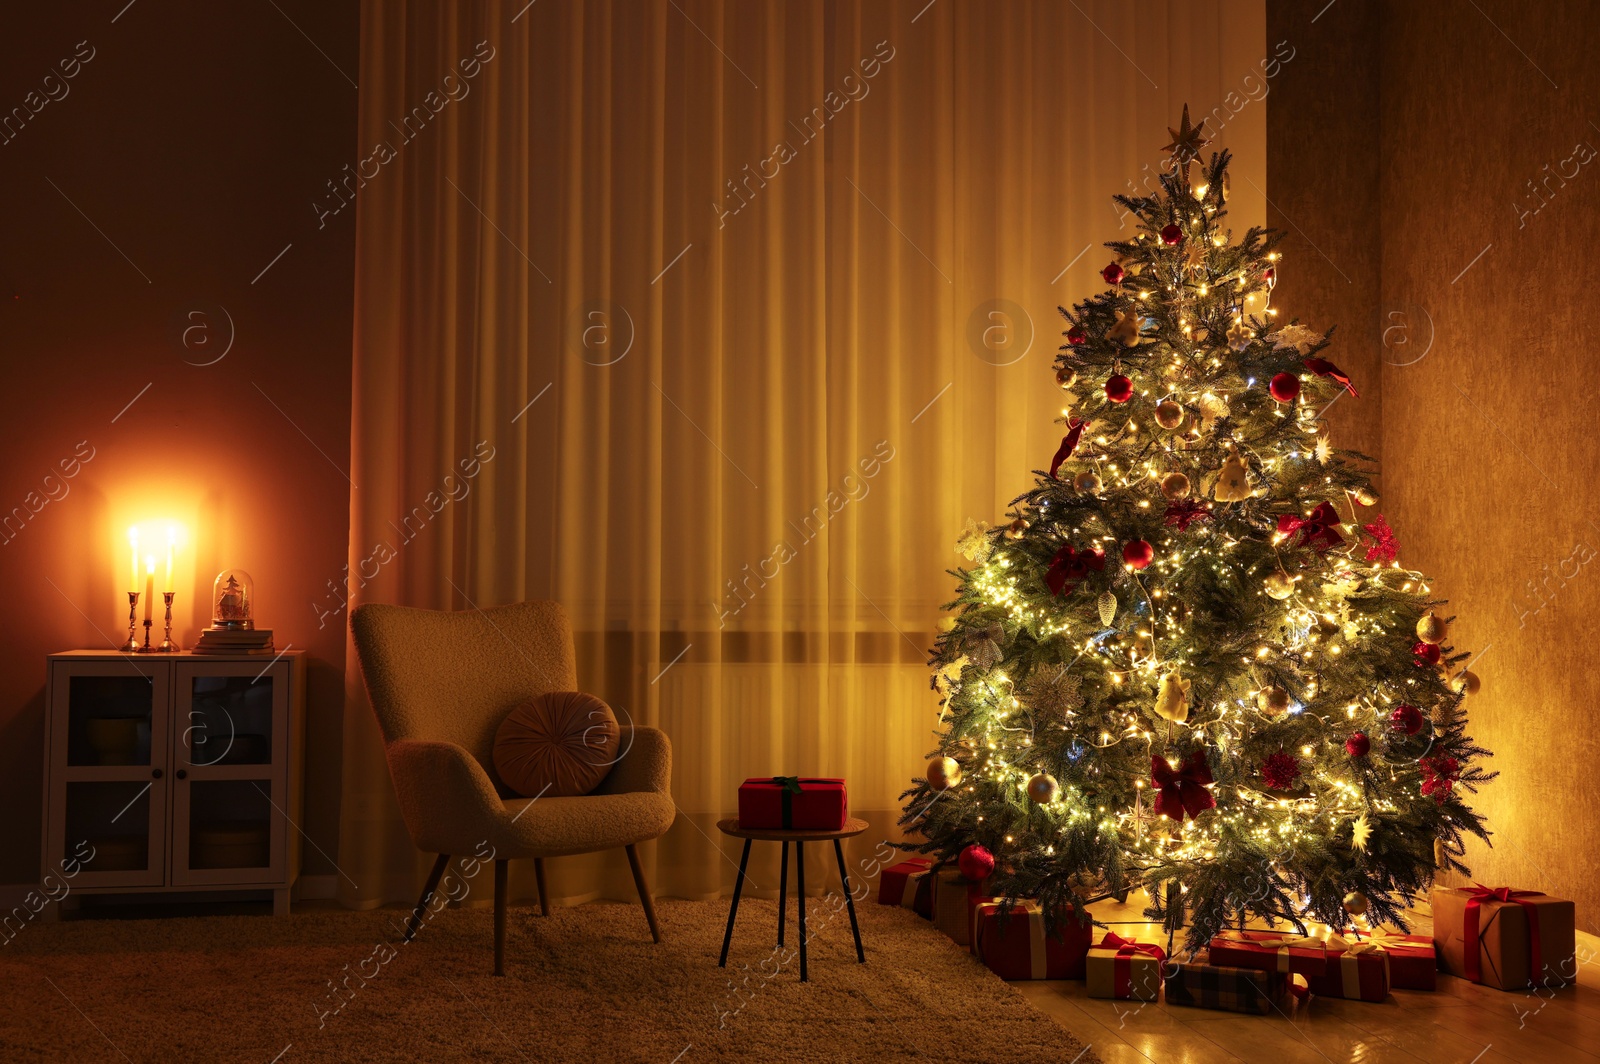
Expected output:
{"points": [[1504, 938], [1357, 971], [1270, 951], [909, 885], [1413, 964], [1122, 968], [1199, 984], [955, 902], [793, 803], [1013, 942]]}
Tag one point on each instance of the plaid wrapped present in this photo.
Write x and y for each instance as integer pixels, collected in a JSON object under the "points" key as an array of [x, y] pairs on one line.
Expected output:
{"points": [[1270, 951], [908, 884], [955, 901], [1413, 964], [1357, 971], [1122, 968], [1014, 944], [1201, 985]]}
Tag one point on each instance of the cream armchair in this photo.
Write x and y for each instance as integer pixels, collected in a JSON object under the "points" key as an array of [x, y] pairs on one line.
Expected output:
{"points": [[440, 684]]}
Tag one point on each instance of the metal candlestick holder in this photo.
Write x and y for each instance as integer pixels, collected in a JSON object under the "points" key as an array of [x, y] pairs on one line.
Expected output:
{"points": [[167, 645], [132, 645]]}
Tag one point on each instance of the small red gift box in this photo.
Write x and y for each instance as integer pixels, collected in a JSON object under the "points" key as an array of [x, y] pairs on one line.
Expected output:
{"points": [[909, 885], [955, 901], [1357, 971], [1270, 951], [1022, 948], [1122, 968], [793, 803], [1413, 964]]}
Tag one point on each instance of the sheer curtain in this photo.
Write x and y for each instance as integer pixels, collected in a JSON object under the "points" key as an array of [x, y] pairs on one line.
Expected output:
{"points": [[715, 321]]}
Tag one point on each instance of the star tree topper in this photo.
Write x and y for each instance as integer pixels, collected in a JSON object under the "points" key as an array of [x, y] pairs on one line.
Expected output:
{"points": [[1187, 141]]}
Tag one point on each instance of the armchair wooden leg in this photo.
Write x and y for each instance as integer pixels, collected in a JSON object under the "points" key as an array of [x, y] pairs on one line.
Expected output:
{"points": [[544, 895], [644, 892], [500, 892], [414, 921]]}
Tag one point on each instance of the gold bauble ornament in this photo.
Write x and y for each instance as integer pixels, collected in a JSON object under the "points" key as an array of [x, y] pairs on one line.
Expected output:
{"points": [[1087, 482], [1066, 376], [1233, 482], [1043, 788], [1366, 497], [1279, 585], [943, 773], [1431, 629], [1356, 903], [1172, 698], [1175, 485], [1169, 415], [1015, 529], [1272, 700], [1466, 682]]}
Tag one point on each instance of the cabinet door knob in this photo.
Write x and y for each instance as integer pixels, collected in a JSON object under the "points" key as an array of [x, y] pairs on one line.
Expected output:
{"points": [[155, 773], [182, 775]]}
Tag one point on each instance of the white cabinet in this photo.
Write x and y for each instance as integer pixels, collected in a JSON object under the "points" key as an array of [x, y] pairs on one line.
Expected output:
{"points": [[175, 772]]}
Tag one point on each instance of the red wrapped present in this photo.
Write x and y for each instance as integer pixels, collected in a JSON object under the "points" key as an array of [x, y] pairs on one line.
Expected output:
{"points": [[909, 885], [1122, 968], [793, 803], [1200, 985], [1504, 938], [1413, 964], [1270, 951], [955, 901], [1357, 971], [1013, 941]]}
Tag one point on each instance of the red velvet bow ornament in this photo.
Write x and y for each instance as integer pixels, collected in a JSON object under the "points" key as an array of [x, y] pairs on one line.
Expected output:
{"points": [[1320, 530], [1069, 443], [1323, 368], [1070, 566], [1182, 790], [1186, 512]]}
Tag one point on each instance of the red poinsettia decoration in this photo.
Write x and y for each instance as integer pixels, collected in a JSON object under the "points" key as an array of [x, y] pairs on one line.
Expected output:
{"points": [[1439, 775], [1280, 771], [1071, 565], [1186, 512], [1384, 546]]}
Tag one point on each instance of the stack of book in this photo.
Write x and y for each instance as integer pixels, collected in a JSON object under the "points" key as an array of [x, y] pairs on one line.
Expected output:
{"points": [[234, 641]]}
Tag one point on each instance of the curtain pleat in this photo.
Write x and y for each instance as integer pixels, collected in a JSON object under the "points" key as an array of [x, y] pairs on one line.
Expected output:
{"points": [[714, 321]]}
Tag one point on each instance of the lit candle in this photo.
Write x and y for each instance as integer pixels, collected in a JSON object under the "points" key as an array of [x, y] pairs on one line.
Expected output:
{"points": [[172, 537], [133, 545], [149, 584]]}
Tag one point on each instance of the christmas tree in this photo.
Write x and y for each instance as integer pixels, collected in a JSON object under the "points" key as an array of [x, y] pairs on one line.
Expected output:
{"points": [[1191, 663]]}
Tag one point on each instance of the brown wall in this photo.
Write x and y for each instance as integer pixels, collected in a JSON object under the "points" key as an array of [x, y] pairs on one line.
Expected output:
{"points": [[1487, 432], [191, 146]]}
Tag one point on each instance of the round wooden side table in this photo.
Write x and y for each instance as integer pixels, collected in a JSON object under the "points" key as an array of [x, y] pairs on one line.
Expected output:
{"points": [[852, 827]]}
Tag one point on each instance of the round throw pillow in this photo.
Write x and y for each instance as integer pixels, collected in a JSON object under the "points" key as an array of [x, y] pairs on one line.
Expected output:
{"points": [[557, 745]]}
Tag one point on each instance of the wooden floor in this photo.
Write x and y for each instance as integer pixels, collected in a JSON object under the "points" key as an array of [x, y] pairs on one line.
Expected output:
{"points": [[1460, 1023]]}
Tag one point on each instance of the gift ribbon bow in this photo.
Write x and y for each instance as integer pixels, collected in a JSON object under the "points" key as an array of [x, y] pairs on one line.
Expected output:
{"points": [[1476, 896], [1284, 944], [1382, 940], [1320, 529], [788, 787], [1126, 947], [1182, 790], [1122, 963], [1070, 566]]}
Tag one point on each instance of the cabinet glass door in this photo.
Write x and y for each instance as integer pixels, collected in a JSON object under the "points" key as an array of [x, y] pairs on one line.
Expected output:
{"points": [[229, 749], [109, 749]]}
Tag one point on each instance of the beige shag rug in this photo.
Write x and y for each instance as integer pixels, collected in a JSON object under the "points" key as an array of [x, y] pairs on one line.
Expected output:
{"points": [[585, 984]]}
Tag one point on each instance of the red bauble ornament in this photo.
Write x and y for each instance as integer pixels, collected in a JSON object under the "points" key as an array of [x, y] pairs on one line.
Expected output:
{"points": [[975, 863], [1112, 274], [1285, 387], [1358, 744], [1406, 718], [1280, 771], [1172, 234], [1427, 653], [1077, 336], [1138, 553], [1119, 389], [1270, 275]]}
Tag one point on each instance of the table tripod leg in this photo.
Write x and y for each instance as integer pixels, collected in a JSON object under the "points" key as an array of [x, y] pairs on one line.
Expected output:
{"points": [[849, 900], [733, 910], [800, 887], [783, 891]]}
